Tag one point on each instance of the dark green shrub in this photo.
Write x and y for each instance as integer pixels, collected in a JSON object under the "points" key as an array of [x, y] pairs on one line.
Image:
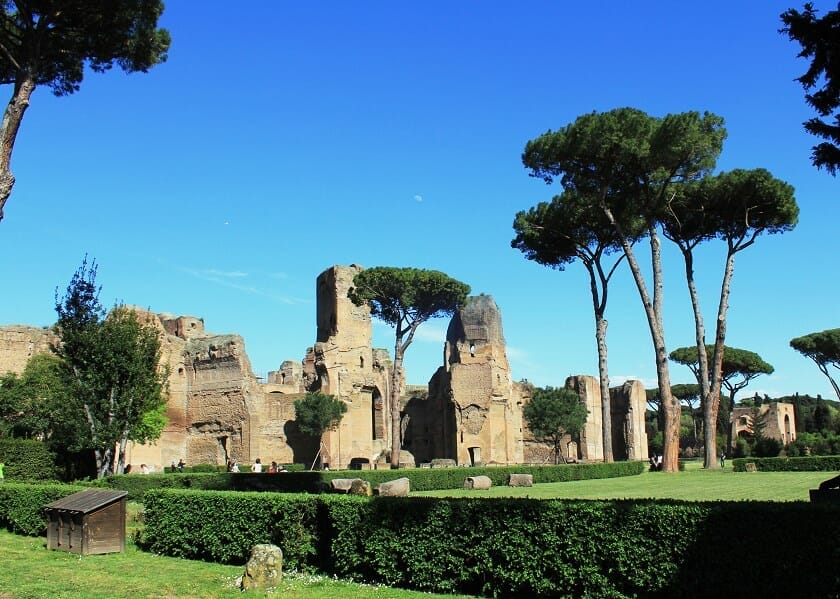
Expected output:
{"points": [[790, 464], [514, 547], [27, 459], [224, 526], [421, 479], [765, 447], [742, 448], [22, 505]]}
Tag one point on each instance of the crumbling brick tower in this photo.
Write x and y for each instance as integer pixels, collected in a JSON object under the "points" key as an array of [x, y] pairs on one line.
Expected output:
{"points": [[343, 363], [478, 419]]}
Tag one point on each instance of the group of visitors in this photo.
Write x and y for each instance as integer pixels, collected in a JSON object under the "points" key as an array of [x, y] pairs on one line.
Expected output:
{"points": [[274, 467], [656, 462]]}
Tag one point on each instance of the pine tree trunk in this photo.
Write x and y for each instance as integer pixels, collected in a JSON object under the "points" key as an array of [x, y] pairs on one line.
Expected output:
{"points": [[703, 376], [603, 377], [396, 441], [9, 127]]}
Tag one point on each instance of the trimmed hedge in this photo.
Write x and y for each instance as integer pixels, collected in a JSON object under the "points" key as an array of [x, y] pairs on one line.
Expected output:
{"points": [[803, 464], [421, 479], [137, 484], [224, 526], [22, 506], [27, 459], [516, 547]]}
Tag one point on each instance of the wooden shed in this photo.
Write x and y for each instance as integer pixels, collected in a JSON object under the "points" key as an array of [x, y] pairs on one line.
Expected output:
{"points": [[87, 522]]}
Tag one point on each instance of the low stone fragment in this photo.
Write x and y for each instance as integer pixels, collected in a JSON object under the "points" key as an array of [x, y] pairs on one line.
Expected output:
{"points": [[264, 569], [395, 488], [361, 487], [341, 485], [521, 480], [478, 483]]}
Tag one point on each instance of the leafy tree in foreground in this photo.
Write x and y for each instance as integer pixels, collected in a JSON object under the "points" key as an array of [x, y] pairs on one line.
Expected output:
{"points": [[405, 298], [561, 232], [51, 43], [553, 413], [824, 349], [628, 162], [111, 368], [820, 41]]}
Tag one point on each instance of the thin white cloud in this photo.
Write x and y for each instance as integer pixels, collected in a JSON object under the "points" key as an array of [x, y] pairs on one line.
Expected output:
{"points": [[227, 279], [234, 274], [418, 198]]}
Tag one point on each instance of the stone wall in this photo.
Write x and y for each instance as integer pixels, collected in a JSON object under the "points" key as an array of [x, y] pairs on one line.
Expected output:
{"points": [[18, 343], [344, 364], [778, 418], [473, 412]]}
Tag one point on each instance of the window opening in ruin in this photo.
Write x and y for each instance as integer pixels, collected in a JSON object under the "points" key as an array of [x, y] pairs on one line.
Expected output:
{"points": [[180, 371], [282, 378], [361, 361], [475, 455], [472, 350], [462, 436]]}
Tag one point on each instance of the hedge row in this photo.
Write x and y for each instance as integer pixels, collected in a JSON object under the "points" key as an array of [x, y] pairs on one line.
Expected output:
{"points": [[21, 506], [516, 547], [421, 479], [27, 459], [802, 464]]}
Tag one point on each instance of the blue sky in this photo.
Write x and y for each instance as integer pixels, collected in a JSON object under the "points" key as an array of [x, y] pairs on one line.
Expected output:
{"points": [[278, 141]]}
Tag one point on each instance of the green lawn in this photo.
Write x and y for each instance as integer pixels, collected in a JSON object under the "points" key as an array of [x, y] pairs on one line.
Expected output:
{"points": [[28, 570], [694, 484]]}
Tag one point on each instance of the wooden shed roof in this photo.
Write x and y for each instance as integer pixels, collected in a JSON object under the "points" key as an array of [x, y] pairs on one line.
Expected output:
{"points": [[86, 501]]}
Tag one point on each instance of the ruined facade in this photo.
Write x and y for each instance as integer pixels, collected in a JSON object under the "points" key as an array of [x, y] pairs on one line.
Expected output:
{"points": [[778, 420], [470, 412], [473, 411], [343, 363]]}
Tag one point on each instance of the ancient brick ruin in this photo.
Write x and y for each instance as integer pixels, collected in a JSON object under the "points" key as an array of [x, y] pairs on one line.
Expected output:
{"points": [[470, 412]]}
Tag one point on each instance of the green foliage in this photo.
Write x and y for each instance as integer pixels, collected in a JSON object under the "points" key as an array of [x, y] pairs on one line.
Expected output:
{"points": [[21, 506], [318, 412], [512, 547], [820, 443], [789, 464], [553, 413], [28, 403], [27, 459], [420, 479], [818, 37], [824, 349], [766, 447], [111, 369], [53, 43], [401, 296], [224, 526], [737, 363]]}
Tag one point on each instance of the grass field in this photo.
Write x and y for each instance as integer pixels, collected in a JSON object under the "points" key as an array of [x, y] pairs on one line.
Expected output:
{"points": [[29, 571], [694, 484]]}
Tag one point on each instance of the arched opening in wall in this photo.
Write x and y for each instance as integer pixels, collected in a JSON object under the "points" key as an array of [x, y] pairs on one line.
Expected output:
{"points": [[475, 456], [361, 361], [377, 415], [282, 378], [788, 437], [472, 350], [181, 370]]}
